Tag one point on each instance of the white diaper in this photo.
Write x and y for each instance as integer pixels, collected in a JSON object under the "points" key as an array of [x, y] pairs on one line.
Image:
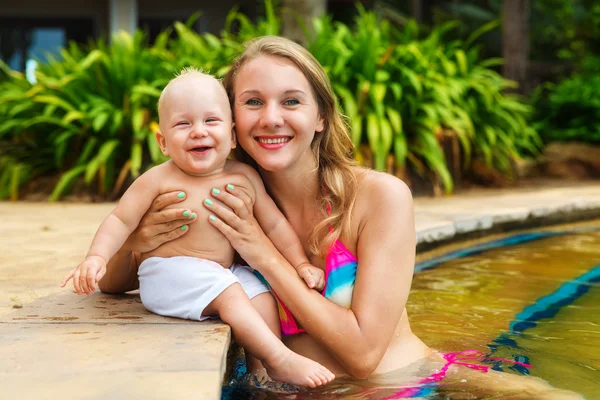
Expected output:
{"points": [[183, 287]]}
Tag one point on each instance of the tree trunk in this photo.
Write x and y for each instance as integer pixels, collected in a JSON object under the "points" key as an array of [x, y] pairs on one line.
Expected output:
{"points": [[515, 41], [298, 12], [416, 8]]}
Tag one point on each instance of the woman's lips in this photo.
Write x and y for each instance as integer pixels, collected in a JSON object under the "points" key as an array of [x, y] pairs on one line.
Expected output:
{"points": [[273, 142]]}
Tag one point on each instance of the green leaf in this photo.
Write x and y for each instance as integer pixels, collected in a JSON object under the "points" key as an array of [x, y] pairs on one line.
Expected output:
{"points": [[147, 90], [386, 136], [73, 116], [99, 122], [400, 149], [461, 59], [65, 182], [357, 128], [136, 159], [56, 101], [105, 152], [137, 120], [395, 120], [480, 31], [373, 131], [378, 91]]}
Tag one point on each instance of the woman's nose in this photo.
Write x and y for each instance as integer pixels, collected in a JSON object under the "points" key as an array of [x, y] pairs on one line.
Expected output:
{"points": [[271, 117]]}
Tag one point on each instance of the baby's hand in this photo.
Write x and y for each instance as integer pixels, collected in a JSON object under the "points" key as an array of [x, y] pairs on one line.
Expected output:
{"points": [[87, 274], [313, 276]]}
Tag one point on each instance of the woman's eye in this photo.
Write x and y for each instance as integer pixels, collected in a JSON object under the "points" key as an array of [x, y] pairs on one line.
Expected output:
{"points": [[253, 102], [291, 102]]}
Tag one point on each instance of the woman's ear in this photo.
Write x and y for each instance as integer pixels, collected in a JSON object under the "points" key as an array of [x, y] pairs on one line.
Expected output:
{"points": [[320, 124], [233, 136], [162, 143]]}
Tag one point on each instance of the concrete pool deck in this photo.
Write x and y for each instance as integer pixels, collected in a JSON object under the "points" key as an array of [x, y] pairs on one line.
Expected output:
{"points": [[55, 343]]}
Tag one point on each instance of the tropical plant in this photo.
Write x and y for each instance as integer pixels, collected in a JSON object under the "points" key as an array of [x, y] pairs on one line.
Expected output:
{"points": [[570, 109], [86, 105], [91, 114], [401, 92]]}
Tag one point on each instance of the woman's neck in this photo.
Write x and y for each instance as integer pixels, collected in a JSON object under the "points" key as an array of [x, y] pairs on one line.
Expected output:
{"points": [[297, 188]]}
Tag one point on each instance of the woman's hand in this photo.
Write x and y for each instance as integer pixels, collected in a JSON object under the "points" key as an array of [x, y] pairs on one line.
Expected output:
{"points": [[232, 215], [159, 226]]}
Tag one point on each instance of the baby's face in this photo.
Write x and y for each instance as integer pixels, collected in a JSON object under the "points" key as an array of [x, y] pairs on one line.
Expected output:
{"points": [[196, 127]]}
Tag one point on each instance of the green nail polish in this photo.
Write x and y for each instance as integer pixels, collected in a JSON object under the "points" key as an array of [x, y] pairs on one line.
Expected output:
{"points": [[208, 202], [216, 191], [181, 195], [186, 213], [184, 227], [193, 216], [212, 218], [230, 187]]}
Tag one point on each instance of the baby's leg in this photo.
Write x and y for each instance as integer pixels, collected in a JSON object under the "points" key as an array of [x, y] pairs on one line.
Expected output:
{"points": [[251, 331], [265, 305]]}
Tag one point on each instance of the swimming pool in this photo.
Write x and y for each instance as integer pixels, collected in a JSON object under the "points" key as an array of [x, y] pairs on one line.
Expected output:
{"points": [[532, 297]]}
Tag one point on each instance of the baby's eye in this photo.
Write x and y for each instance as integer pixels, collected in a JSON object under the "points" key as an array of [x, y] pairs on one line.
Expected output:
{"points": [[181, 123], [212, 119], [253, 102], [291, 102]]}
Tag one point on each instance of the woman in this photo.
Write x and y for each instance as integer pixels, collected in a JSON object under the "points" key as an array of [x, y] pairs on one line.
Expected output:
{"points": [[289, 127]]}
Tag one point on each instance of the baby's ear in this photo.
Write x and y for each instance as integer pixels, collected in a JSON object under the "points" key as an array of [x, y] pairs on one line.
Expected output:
{"points": [[162, 143], [233, 136]]}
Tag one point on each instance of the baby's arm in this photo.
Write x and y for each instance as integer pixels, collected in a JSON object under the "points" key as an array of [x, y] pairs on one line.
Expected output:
{"points": [[114, 231], [280, 232]]}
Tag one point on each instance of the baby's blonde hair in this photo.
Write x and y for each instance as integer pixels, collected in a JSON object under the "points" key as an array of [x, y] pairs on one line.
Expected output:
{"points": [[185, 72], [332, 148]]}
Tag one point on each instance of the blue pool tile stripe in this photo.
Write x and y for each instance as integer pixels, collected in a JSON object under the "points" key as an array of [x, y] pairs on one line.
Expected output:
{"points": [[480, 248], [548, 306], [545, 307]]}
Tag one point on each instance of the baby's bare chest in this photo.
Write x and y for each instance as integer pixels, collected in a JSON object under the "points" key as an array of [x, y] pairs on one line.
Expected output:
{"points": [[199, 189]]}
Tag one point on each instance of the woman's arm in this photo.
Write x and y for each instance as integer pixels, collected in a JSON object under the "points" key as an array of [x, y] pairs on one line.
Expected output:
{"points": [[356, 337], [157, 227]]}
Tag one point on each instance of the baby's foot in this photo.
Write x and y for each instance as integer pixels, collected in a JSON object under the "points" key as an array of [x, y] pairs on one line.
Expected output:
{"points": [[297, 370]]}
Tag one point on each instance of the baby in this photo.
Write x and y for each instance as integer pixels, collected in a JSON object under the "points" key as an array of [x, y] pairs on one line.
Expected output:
{"points": [[193, 276]]}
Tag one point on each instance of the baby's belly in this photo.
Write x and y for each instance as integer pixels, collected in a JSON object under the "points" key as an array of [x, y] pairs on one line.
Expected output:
{"points": [[199, 243]]}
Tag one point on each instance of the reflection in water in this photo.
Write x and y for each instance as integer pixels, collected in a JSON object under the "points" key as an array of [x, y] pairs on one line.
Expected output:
{"points": [[471, 302]]}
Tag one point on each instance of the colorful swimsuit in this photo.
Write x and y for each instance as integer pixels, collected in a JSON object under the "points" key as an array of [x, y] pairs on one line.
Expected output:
{"points": [[340, 275], [466, 358]]}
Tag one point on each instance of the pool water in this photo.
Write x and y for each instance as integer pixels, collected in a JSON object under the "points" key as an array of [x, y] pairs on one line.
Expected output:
{"points": [[530, 297]]}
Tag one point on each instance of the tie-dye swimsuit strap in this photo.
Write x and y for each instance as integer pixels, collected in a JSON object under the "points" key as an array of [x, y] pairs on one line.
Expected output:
{"points": [[340, 275], [466, 358]]}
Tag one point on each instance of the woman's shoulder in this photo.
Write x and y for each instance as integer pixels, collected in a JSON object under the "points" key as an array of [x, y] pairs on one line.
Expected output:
{"points": [[380, 189], [371, 182]]}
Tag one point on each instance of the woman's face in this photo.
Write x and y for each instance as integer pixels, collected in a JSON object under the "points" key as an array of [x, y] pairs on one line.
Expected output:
{"points": [[276, 113]]}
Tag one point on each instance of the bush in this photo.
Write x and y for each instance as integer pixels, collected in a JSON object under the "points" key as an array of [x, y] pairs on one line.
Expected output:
{"points": [[403, 91], [570, 109], [91, 115]]}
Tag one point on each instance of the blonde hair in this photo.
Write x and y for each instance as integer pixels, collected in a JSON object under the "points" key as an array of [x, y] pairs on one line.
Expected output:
{"points": [[186, 71], [332, 148]]}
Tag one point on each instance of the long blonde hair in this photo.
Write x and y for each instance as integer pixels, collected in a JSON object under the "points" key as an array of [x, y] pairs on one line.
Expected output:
{"points": [[332, 148]]}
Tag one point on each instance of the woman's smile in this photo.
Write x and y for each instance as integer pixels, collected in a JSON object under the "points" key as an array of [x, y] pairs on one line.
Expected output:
{"points": [[273, 142]]}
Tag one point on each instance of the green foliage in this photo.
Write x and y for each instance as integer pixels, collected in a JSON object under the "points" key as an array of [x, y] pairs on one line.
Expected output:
{"points": [[91, 116], [565, 29], [570, 110], [401, 92]]}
